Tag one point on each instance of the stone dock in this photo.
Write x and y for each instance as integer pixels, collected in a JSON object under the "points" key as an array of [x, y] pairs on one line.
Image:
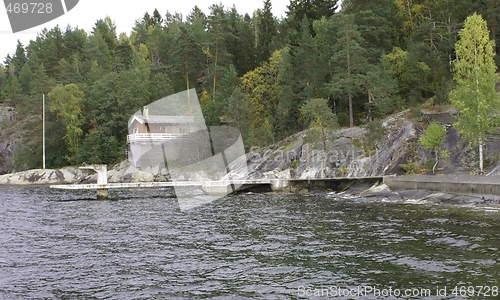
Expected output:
{"points": [[453, 184], [223, 187]]}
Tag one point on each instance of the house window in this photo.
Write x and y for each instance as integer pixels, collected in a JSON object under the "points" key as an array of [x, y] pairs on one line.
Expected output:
{"points": [[136, 130], [184, 129], [172, 129]]}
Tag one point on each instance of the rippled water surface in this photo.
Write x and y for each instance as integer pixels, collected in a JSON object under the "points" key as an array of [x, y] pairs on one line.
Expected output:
{"points": [[140, 245]]}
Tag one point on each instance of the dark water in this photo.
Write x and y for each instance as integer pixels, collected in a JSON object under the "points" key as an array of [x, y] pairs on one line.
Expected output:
{"points": [[65, 245]]}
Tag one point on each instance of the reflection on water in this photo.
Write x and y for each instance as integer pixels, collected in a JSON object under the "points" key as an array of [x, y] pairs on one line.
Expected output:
{"points": [[140, 245]]}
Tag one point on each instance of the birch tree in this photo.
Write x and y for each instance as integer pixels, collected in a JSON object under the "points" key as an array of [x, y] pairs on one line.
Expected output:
{"points": [[475, 74]]}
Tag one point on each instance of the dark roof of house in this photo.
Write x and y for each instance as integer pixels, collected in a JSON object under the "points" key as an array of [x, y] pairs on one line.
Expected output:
{"points": [[163, 119]]}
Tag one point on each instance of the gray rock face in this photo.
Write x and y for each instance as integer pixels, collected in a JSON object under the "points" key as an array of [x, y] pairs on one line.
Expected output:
{"points": [[6, 115], [344, 155], [42, 177], [8, 147]]}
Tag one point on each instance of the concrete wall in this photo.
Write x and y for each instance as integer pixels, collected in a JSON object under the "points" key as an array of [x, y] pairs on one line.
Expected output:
{"points": [[466, 185]]}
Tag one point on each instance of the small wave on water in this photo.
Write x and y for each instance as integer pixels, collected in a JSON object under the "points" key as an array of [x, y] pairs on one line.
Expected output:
{"points": [[141, 245]]}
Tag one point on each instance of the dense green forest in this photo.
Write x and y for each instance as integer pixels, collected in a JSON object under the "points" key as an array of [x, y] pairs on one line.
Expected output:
{"points": [[365, 59]]}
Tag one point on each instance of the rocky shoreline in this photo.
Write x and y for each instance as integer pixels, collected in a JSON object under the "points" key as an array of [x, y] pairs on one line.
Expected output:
{"points": [[125, 172], [422, 196], [348, 152]]}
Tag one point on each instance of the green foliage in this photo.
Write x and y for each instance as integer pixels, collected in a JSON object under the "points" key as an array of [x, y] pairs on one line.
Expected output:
{"points": [[316, 113], [262, 87], [413, 168], [302, 78], [238, 112], [432, 139], [370, 60], [41, 83], [475, 74], [267, 30], [68, 101], [312, 10], [350, 59], [374, 133], [100, 148], [211, 110], [412, 76], [25, 159]]}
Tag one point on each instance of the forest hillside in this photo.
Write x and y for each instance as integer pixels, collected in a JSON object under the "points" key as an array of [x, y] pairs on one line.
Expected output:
{"points": [[269, 77]]}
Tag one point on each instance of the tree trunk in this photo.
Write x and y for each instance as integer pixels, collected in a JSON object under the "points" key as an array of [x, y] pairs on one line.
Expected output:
{"points": [[436, 163], [215, 65], [480, 156], [351, 118]]}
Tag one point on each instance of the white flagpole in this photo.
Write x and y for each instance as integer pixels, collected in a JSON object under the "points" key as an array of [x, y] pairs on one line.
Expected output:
{"points": [[43, 128]]}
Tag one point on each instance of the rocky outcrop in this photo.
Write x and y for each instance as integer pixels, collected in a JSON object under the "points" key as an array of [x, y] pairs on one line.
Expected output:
{"points": [[8, 146], [44, 177], [7, 115], [344, 153], [421, 196]]}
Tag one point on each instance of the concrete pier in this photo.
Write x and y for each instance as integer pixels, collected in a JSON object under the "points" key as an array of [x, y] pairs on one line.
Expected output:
{"points": [[453, 184], [217, 187], [102, 179]]}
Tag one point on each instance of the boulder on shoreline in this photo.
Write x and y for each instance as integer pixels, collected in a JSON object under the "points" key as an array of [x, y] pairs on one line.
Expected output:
{"points": [[66, 175]]}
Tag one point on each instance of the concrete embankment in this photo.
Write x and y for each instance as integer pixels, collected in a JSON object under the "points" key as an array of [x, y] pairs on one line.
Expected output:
{"points": [[453, 184]]}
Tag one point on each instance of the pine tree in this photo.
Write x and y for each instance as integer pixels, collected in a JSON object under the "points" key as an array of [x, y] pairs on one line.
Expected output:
{"points": [[41, 83], [266, 32], [312, 9], [245, 57], [302, 79], [374, 20], [349, 60], [25, 77], [107, 30], [19, 58], [475, 74], [220, 33]]}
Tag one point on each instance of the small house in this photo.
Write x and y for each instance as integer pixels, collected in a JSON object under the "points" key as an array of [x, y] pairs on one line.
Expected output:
{"points": [[158, 128]]}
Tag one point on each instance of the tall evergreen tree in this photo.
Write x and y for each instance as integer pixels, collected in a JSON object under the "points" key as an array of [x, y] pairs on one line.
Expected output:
{"points": [[220, 32], [47, 49], [107, 30], [41, 83], [19, 58], [302, 78], [375, 21], [25, 77], [187, 54], [350, 62], [266, 32], [245, 55], [311, 9]]}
